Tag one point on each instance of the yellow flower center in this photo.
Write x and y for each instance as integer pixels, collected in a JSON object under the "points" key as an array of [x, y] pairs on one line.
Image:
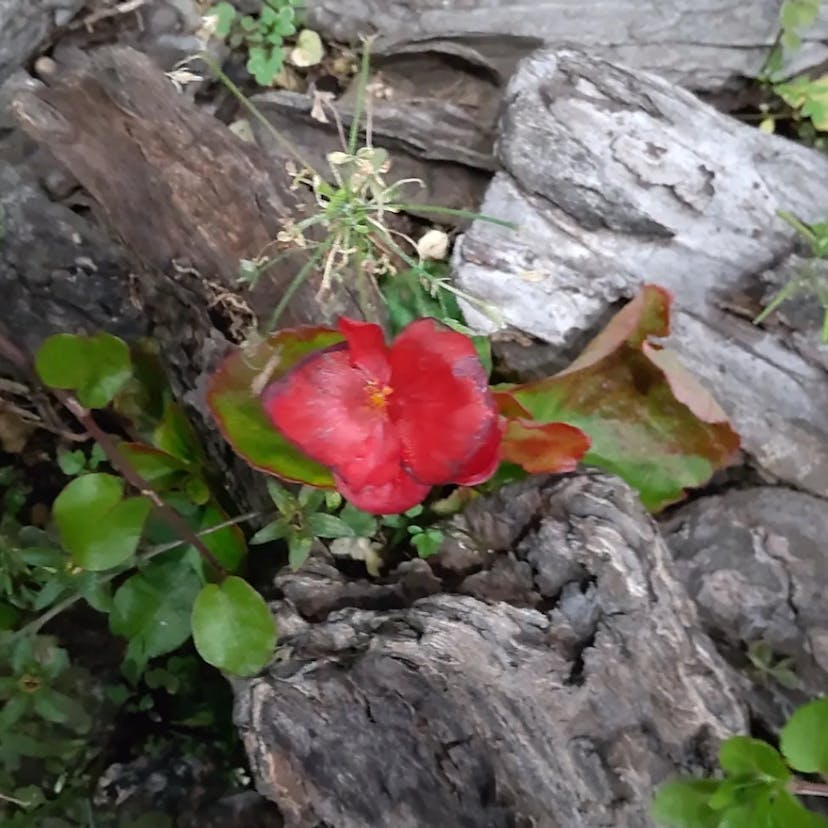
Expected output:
{"points": [[378, 397]]}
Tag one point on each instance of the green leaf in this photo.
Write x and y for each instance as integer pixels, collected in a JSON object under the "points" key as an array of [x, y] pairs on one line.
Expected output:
{"points": [[226, 14], [157, 467], [282, 497], [95, 367], [649, 420], [742, 756], [285, 22], [61, 709], [71, 462], [30, 795], [786, 811], [798, 14], [233, 628], [310, 498], [152, 608], [13, 711], [276, 530], [97, 594], [299, 547], [804, 739], [329, 526], [227, 544], [685, 804], [308, 50], [234, 402], [98, 527], [749, 815], [364, 524], [176, 436], [736, 791], [264, 64], [427, 542]]}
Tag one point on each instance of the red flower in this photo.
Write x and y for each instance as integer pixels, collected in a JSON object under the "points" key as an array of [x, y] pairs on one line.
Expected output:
{"points": [[391, 421]]}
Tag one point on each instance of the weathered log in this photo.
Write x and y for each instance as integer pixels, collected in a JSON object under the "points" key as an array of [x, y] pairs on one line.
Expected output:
{"points": [[560, 677], [698, 45], [189, 200], [26, 25], [755, 563], [617, 178]]}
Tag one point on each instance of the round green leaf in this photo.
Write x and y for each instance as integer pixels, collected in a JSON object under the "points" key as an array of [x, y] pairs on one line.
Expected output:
{"points": [[97, 526], [743, 756], [233, 399], [804, 739], [685, 804], [233, 628], [227, 544], [95, 367], [152, 608]]}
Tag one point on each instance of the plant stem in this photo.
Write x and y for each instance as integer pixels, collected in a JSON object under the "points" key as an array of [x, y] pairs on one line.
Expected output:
{"points": [[298, 279], [804, 788], [19, 802], [35, 626], [113, 453], [256, 113], [361, 88]]}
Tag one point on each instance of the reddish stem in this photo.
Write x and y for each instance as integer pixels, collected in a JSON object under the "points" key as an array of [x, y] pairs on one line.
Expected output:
{"points": [[116, 458], [804, 788]]}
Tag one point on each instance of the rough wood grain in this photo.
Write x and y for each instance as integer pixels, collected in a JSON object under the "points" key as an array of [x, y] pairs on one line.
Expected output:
{"points": [[188, 200], [618, 178], [754, 562], [560, 677], [700, 45]]}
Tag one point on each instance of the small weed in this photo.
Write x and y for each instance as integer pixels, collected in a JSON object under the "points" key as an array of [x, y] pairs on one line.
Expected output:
{"points": [[810, 280], [354, 201], [758, 786], [264, 37]]}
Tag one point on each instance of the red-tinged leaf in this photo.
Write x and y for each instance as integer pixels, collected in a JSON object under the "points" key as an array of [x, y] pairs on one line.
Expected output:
{"points": [[543, 448], [507, 404], [646, 315], [649, 422], [685, 387], [233, 396]]}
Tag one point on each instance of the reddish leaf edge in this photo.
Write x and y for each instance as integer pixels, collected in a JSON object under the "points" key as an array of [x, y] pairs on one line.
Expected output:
{"points": [[223, 367]]}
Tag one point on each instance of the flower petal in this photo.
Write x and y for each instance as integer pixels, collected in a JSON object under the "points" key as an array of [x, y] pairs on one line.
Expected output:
{"points": [[392, 497], [484, 463], [322, 407], [366, 344], [441, 405]]}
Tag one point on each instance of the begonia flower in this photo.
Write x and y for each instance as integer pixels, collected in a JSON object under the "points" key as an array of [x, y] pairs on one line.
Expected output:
{"points": [[391, 421]]}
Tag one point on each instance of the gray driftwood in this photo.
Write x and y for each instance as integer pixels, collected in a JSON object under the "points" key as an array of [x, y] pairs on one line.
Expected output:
{"points": [[699, 45], [560, 675], [619, 178]]}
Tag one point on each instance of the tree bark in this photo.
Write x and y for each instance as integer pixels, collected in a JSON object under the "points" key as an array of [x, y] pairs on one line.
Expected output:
{"points": [[558, 677]]}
